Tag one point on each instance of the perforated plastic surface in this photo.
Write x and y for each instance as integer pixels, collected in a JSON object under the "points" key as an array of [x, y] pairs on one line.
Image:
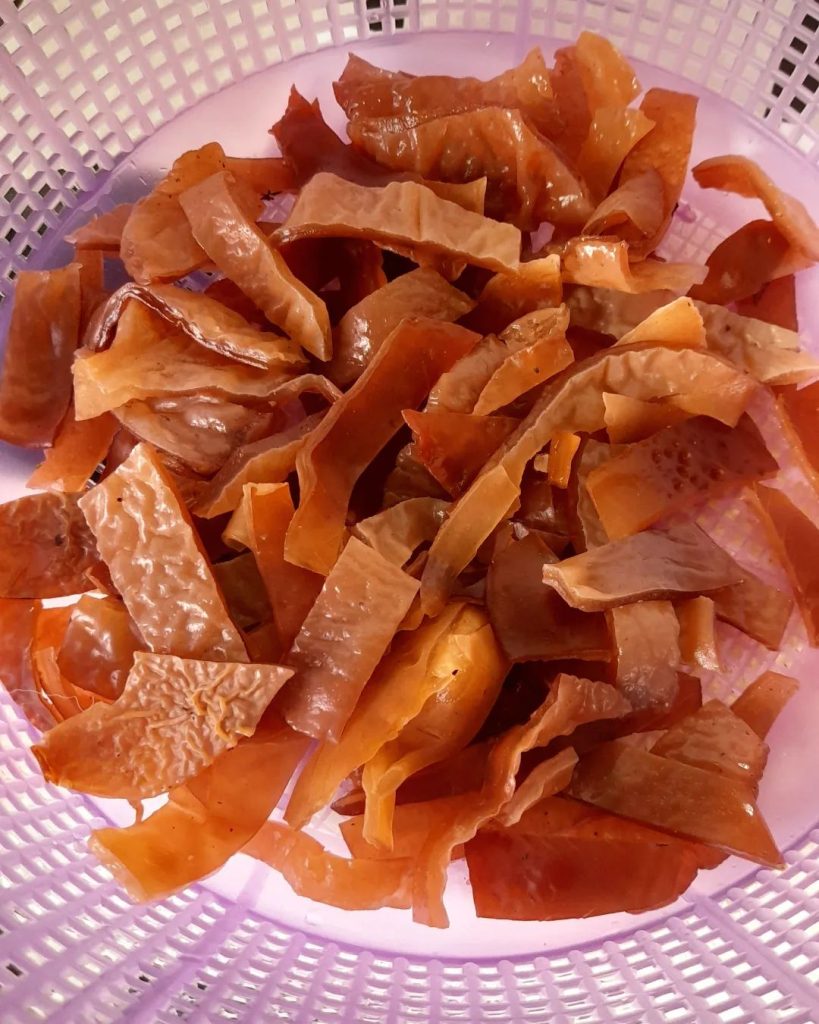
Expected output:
{"points": [[85, 88]]}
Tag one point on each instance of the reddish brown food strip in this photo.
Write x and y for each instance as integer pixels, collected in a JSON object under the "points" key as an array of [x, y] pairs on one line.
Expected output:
{"points": [[398, 531], [575, 403], [742, 176], [538, 349], [698, 642], [324, 877], [552, 877], [145, 536], [717, 739], [775, 303], [205, 821], [79, 447], [202, 433], [604, 263], [647, 565], [393, 215], [46, 549], [454, 446], [291, 590], [509, 295], [570, 703], [244, 592], [761, 703], [150, 358], [678, 798], [157, 243], [103, 232], [799, 411], [343, 638], [612, 133], [682, 464], [97, 649], [417, 666], [631, 419], [768, 352], [645, 637], [528, 180], [666, 149], [448, 720], [174, 717], [365, 91], [269, 460], [458, 389], [759, 610], [357, 428], [411, 825], [795, 539], [632, 211], [562, 450], [547, 778], [216, 326], [35, 388], [363, 329], [678, 323], [531, 621], [221, 225], [17, 619], [743, 262]]}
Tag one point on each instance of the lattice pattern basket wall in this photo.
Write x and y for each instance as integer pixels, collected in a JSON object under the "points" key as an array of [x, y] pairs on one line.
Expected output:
{"points": [[88, 91]]}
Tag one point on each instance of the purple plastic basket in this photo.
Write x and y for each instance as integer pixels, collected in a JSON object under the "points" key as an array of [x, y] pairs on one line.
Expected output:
{"points": [[96, 98]]}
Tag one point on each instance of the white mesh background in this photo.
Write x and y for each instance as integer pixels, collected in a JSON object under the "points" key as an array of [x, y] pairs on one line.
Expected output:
{"points": [[82, 83]]}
